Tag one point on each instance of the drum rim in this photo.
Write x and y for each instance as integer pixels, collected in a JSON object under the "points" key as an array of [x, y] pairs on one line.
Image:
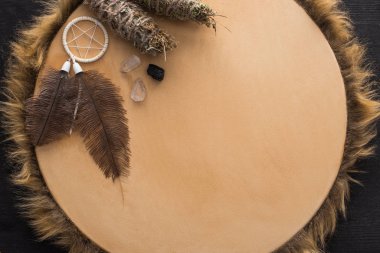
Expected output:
{"points": [[28, 54]]}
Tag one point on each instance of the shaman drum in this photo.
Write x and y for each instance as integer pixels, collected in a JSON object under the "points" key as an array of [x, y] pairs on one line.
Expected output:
{"points": [[237, 150]]}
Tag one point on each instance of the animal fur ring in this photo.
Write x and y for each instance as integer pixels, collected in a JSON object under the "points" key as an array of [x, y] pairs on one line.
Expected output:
{"points": [[29, 53]]}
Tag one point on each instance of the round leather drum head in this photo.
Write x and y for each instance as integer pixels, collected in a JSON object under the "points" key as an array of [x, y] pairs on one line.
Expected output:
{"points": [[237, 150]]}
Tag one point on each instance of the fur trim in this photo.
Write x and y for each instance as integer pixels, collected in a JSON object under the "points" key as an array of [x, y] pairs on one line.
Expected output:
{"points": [[36, 203], [50, 222], [363, 111]]}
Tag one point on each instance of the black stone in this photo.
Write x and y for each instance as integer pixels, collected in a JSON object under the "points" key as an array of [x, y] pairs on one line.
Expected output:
{"points": [[156, 72]]}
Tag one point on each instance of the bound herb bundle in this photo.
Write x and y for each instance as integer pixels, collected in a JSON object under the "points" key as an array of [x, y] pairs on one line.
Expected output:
{"points": [[133, 24], [130, 21], [185, 10]]}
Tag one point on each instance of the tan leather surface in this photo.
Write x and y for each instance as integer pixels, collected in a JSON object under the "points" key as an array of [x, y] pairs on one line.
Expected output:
{"points": [[233, 152]]}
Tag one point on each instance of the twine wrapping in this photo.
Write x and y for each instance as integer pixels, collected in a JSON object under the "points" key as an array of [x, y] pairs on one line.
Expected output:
{"points": [[133, 24], [185, 10]]}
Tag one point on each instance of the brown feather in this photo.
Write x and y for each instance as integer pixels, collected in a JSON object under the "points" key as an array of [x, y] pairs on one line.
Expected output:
{"points": [[48, 114], [103, 125]]}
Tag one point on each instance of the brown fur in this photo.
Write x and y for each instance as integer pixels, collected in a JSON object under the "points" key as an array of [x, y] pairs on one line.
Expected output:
{"points": [[27, 57], [47, 218], [363, 111]]}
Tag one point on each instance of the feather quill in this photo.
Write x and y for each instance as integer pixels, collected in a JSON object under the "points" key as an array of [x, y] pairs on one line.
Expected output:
{"points": [[102, 123], [48, 114]]}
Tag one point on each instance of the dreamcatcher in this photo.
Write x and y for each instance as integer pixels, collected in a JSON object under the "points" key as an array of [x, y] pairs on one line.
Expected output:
{"points": [[87, 102]]}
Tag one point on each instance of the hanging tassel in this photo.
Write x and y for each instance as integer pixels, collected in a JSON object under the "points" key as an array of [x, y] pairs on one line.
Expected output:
{"points": [[101, 121], [48, 114]]}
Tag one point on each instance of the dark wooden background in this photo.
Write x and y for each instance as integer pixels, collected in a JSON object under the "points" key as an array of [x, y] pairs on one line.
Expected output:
{"points": [[360, 233]]}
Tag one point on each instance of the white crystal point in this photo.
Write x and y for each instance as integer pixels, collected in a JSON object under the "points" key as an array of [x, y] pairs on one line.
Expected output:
{"points": [[130, 64], [138, 93]]}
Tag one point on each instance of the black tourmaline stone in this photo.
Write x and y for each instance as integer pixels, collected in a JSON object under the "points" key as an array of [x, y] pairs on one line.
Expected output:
{"points": [[156, 72]]}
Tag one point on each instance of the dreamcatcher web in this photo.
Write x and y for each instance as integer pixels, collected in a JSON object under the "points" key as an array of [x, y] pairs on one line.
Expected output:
{"points": [[93, 44]]}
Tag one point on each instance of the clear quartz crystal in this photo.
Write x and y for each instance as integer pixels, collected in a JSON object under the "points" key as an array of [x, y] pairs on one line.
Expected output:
{"points": [[138, 93], [130, 64]]}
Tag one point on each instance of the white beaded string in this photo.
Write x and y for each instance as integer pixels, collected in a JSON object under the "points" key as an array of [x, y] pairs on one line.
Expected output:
{"points": [[101, 47]]}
